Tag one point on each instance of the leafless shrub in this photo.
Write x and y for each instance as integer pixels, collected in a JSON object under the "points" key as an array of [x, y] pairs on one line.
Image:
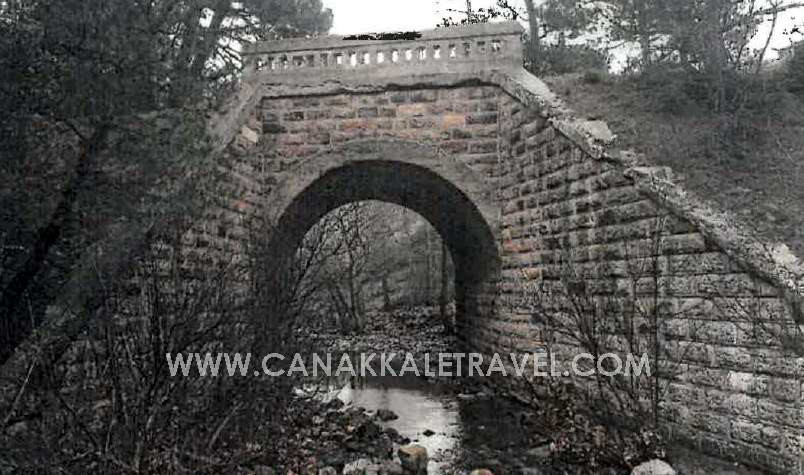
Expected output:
{"points": [[110, 402], [598, 308]]}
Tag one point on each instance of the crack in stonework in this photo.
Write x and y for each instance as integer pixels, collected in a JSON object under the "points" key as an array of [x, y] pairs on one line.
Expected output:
{"points": [[335, 87]]}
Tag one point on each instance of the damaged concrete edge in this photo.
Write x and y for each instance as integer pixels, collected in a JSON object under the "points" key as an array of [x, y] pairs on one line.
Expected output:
{"points": [[456, 33], [225, 123], [593, 137], [229, 120], [768, 261]]}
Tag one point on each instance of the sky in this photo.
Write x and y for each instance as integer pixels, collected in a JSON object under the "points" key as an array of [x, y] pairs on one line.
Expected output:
{"points": [[361, 16]]}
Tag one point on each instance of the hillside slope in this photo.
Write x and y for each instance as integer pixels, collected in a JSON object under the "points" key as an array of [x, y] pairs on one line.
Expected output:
{"points": [[758, 175]]}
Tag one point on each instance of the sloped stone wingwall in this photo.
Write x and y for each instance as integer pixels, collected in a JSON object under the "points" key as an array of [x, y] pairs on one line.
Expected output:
{"points": [[561, 193], [434, 126], [455, 129], [734, 393]]}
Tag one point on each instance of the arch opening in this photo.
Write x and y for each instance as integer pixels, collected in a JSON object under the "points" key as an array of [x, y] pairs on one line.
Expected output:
{"points": [[460, 223], [453, 215], [373, 258]]}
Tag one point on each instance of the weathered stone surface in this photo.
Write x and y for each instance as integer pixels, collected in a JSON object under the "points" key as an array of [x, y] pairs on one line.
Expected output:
{"points": [[515, 183], [391, 468], [358, 467], [413, 458], [386, 415], [542, 451], [654, 467]]}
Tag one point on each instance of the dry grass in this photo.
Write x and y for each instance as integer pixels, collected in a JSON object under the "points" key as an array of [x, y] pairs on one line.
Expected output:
{"points": [[758, 174]]}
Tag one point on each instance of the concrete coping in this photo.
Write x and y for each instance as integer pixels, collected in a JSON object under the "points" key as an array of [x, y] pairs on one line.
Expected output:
{"points": [[486, 43]]}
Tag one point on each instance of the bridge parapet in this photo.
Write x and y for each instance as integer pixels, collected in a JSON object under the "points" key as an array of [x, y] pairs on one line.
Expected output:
{"points": [[443, 50]]}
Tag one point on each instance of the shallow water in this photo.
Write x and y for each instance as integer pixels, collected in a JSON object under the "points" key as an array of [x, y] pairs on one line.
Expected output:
{"points": [[469, 430]]}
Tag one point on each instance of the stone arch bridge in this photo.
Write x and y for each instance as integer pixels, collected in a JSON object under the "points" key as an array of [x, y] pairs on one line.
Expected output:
{"points": [[452, 126]]}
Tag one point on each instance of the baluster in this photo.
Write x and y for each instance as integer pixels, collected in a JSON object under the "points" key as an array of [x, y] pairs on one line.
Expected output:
{"points": [[367, 55]]}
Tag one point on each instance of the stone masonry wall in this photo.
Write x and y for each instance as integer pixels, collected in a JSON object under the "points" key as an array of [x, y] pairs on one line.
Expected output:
{"points": [[556, 191], [560, 193], [734, 394], [462, 122], [280, 133]]}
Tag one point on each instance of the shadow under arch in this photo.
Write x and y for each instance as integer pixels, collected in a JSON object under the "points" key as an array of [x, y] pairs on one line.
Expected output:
{"points": [[447, 193]]}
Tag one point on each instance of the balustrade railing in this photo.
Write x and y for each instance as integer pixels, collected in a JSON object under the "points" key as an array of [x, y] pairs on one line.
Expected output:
{"points": [[491, 43]]}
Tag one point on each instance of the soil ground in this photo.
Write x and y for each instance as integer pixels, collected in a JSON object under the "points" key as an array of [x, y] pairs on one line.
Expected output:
{"points": [[419, 330], [759, 177]]}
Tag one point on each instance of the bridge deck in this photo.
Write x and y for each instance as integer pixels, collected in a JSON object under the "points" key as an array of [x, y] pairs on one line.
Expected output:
{"points": [[433, 51]]}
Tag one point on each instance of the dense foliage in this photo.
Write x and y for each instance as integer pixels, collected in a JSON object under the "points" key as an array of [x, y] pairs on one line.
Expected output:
{"points": [[104, 103]]}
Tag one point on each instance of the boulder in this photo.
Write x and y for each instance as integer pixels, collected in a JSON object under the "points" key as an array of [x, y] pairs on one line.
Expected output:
{"points": [[413, 459], [328, 471], [386, 415], [653, 467], [481, 471], [541, 451], [394, 435], [358, 467], [17, 429], [391, 468]]}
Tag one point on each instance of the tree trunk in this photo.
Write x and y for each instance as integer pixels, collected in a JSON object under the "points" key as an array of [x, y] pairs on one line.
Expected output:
{"points": [[209, 42], [716, 55], [534, 40], [428, 268], [15, 324], [443, 297], [409, 279], [645, 33], [764, 50], [386, 296]]}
